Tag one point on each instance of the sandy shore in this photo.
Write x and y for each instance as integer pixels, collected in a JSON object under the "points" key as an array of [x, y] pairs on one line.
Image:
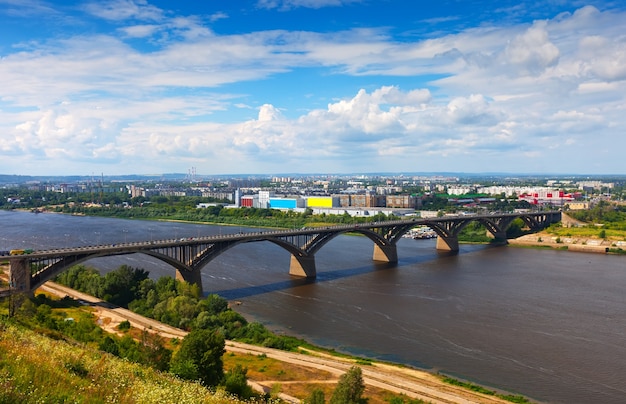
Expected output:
{"points": [[579, 244]]}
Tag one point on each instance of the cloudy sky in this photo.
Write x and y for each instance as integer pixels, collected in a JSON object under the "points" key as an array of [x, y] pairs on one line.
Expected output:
{"points": [[312, 86]]}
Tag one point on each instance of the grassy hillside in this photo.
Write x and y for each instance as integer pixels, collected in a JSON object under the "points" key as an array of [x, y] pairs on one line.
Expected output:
{"points": [[38, 369]]}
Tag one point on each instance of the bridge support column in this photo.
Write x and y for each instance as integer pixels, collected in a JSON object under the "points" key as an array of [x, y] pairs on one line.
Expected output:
{"points": [[303, 266], [192, 277], [450, 243], [386, 253], [19, 275], [499, 237]]}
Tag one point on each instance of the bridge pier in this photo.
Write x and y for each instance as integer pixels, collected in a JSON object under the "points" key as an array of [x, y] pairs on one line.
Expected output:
{"points": [[19, 275], [192, 277], [303, 266], [385, 253], [450, 243], [499, 237]]}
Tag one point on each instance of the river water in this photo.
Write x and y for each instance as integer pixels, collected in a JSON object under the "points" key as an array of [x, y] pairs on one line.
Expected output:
{"points": [[543, 323]]}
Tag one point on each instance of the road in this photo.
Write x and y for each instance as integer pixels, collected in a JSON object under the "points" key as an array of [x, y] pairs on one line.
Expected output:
{"points": [[410, 382]]}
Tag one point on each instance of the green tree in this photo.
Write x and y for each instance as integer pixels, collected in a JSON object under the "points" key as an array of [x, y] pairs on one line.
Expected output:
{"points": [[200, 357], [109, 345], [120, 286], [349, 388], [236, 382], [214, 304], [515, 228], [156, 354], [316, 397]]}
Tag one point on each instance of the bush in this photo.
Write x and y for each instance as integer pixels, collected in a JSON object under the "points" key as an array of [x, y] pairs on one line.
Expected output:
{"points": [[236, 382], [316, 397], [200, 357], [350, 388], [124, 326]]}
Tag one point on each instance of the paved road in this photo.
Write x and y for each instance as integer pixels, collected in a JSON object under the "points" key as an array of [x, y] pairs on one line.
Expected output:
{"points": [[410, 382]]}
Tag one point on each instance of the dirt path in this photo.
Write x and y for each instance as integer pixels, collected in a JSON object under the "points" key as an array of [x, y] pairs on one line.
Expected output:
{"points": [[410, 382]]}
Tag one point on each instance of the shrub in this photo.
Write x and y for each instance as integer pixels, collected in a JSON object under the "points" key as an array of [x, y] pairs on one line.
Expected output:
{"points": [[124, 325], [349, 388], [236, 382]]}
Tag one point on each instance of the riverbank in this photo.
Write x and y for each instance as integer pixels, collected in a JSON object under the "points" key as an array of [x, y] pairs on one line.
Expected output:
{"points": [[576, 244]]}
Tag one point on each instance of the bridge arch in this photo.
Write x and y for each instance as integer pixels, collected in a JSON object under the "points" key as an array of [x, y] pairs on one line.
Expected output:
{"points": [[49, 272], [448, 230]]}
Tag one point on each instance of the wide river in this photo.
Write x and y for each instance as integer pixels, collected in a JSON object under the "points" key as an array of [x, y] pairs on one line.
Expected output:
{"points": [[546, 324]]}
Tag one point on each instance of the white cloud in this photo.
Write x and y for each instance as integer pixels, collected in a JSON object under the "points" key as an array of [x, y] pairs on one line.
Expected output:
{"points": [[267, 112], [504, 92], [140, 31], [120, 10], [218, 16], [290, 4], [532, 52]]}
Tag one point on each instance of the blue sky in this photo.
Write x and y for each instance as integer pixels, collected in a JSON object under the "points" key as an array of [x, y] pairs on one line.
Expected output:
{"points": [[312, 86]]}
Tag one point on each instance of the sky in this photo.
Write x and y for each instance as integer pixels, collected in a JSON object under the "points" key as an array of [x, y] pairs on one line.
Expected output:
{"points": [[118, 87]]}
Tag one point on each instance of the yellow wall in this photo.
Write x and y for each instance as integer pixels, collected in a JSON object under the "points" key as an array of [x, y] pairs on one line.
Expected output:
{"points": [[320, 202], [578, 205]]}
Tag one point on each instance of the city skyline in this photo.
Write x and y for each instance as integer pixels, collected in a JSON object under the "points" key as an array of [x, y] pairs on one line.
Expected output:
{"points": [[301, 86]]}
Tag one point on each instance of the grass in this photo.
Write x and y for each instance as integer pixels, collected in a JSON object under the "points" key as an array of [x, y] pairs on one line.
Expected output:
{"points": [[589, 231], [37, 369], [260, 367], [297, 381], [480, 389]]}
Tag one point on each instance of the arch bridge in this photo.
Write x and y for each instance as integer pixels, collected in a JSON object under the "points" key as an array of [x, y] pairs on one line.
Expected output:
{"points": [[188, 256]]}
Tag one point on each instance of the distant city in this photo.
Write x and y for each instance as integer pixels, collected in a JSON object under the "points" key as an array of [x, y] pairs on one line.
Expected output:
{"points": [[356, 194]]}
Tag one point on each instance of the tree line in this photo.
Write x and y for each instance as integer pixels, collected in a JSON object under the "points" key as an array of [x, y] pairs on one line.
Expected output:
{"points": [[612, 216]]}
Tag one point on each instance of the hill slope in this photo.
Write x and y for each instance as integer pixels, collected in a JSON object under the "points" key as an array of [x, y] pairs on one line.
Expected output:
{"points": [[37, 369]]}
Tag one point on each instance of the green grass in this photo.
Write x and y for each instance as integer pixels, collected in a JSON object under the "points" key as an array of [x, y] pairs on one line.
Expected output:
{"points": [[480, 389], [37, 369], [588, 231]]}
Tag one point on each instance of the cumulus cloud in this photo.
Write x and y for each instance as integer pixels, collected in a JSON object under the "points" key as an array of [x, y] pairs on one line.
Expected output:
{"points": [[532, 52], [603, 58], [534, 90], [472, 110], [268, 112]]}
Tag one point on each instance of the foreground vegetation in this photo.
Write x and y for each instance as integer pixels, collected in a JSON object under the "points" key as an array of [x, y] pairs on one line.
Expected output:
{"points": [[37, 369]]}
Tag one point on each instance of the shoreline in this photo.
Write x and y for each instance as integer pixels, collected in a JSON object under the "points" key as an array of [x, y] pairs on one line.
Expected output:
{"points": [[574, 244]]}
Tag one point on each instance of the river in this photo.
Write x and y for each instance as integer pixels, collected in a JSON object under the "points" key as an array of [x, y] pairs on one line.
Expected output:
{"points": [[547, 324]]}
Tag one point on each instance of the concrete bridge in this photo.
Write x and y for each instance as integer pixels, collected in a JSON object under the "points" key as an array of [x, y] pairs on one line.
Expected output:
{"points": [[188, 256]]}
